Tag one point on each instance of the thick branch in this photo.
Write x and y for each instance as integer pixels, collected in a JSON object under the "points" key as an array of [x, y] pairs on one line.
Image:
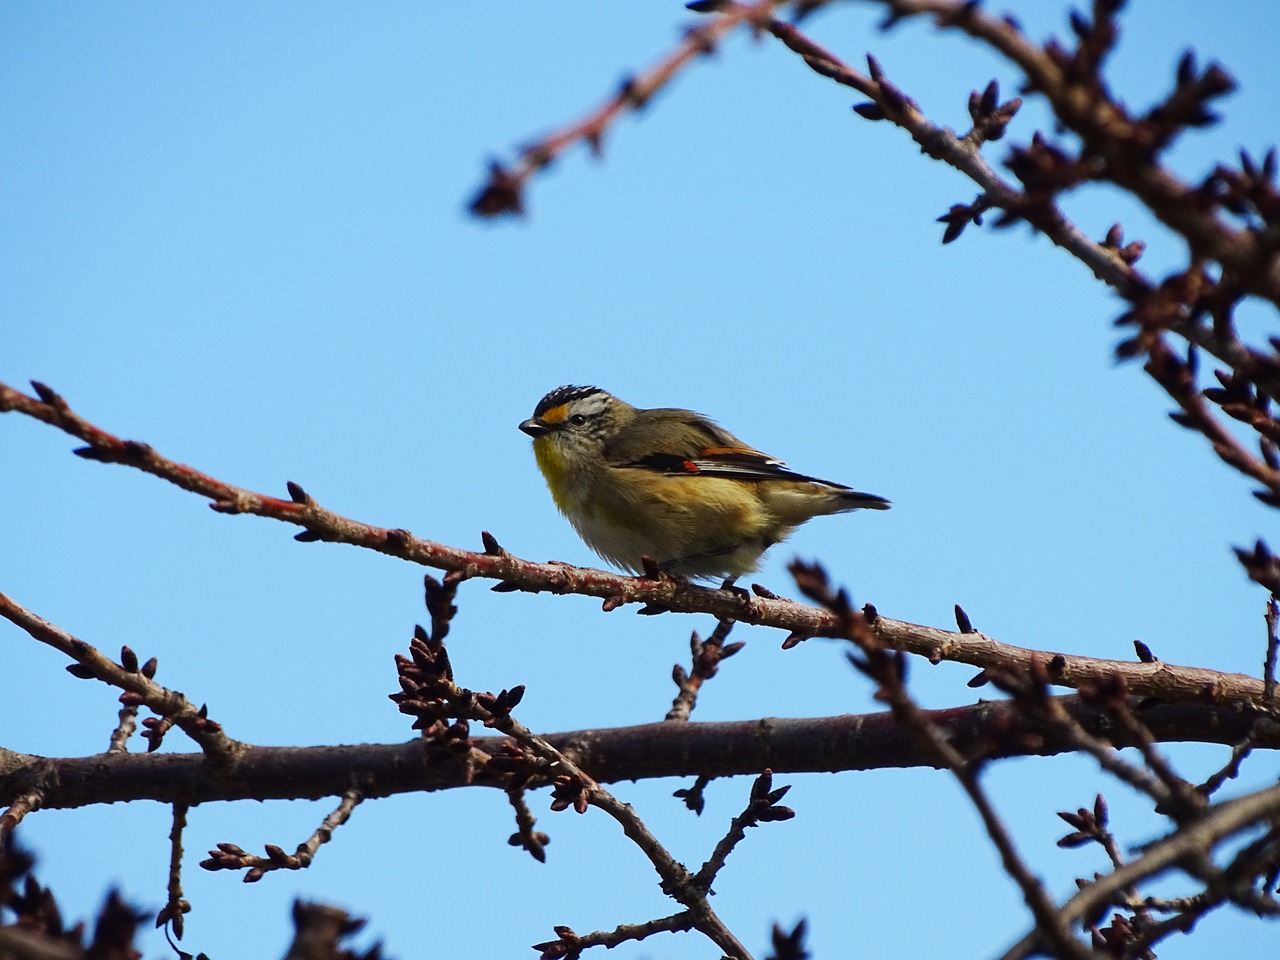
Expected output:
{"points": [[819, 745]]}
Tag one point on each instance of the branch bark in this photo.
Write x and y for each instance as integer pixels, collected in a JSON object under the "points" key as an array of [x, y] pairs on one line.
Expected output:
{"points": [[648, 751]]}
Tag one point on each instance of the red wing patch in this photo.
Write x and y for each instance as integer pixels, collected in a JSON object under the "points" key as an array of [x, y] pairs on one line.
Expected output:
{"points": [[737, 463], [667, 463]]}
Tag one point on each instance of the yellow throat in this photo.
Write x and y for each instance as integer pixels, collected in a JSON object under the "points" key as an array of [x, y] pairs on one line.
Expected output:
{"points": [[551, 463]]}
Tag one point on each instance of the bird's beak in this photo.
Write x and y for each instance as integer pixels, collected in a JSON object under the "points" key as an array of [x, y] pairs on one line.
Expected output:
{"points": [[534, 428]]}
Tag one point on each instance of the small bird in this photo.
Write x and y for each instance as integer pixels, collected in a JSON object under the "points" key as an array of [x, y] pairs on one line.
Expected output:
{"points": [[671, 485]]}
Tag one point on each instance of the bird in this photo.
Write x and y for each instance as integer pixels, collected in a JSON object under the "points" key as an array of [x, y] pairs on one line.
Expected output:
{"points": [[671, 486]]}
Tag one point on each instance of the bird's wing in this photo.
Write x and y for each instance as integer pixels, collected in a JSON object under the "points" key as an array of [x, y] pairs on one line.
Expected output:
{"points": [[682, 443]]}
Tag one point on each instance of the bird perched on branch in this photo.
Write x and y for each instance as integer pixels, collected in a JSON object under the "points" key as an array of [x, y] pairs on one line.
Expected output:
{"points": [[671, 485]]}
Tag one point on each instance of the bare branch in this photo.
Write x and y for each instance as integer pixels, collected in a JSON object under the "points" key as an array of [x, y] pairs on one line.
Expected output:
{"points": [[176, 907], [90, 662], [444, 709], [992, 730], [23, 803], [887, 669], [1127, 145], [762, 808], [570, 945], [534, 841], [228, 856], [1187, 844], [706, 658], [503, 192]]}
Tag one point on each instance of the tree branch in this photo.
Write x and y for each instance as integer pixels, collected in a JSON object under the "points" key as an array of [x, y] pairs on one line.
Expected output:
{"points": [[1156, 679], [1189, 842], [169, 704], [1127, 145], [503, 192], [991, 730]]}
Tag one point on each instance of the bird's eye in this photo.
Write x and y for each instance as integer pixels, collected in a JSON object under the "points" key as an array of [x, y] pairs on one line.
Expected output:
{"points": [[578, 419]]}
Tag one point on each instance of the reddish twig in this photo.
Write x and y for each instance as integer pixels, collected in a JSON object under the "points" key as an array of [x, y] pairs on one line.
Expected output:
{"points": [[1178, 378], [963, 153], [503, 192], [1091, 826]]}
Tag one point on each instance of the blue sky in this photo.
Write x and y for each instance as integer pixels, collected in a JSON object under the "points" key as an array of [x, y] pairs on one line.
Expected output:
{"points": [[239, 233]]}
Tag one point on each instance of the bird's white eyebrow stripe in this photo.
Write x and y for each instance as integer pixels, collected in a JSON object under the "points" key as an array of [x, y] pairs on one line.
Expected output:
{"points": [[563, 395]]}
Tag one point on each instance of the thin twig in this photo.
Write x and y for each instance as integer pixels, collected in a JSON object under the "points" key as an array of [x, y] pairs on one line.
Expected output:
{"points": [[168, 704], [1093, 825], [19, 807], [1184, 800], [534, 841], [443, 711], [1107, 260], [1177, 378], [706, 656], [762, 807], [126, 724], [1031, 695], [176, 907], [1189, 843], [1231, 769], [569, 944], [886, 668], [1121, 140], [963, 154], [1273, 642], [503, 192], [228, 856], [677, 882]]}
